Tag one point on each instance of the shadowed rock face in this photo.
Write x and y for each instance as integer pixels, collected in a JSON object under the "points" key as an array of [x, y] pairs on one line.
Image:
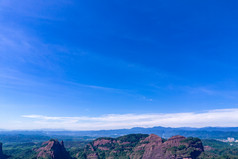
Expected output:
{"points": [[2, 156], [0, 148], [144, 147], [52, 149]]}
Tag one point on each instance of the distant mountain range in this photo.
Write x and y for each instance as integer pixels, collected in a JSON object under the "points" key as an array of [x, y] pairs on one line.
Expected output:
{"points": [[165, 132]]}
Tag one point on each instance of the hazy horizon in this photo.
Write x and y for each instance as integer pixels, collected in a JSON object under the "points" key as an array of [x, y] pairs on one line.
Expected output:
{"points": [[97, 65]]}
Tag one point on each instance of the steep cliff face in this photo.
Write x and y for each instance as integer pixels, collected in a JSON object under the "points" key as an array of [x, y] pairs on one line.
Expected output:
{"points": [[1, 148], [175, 147], [53, 149], [2, 156], [140, 146]]}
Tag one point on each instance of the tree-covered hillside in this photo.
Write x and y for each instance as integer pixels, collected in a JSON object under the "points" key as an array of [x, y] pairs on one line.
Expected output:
{"points": [[131, 146]]}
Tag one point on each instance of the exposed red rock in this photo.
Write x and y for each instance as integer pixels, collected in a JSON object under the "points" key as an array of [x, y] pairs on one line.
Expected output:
{"points": [[53, 149], [92, 156], [153, 138], [208, 148], [147, 147], [101, 142], [151, 147], [175, 140], [103, 148], [160, 150]]}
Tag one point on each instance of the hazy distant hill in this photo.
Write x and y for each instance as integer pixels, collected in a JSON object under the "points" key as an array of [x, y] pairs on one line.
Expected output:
{"points": [[204, 133]]}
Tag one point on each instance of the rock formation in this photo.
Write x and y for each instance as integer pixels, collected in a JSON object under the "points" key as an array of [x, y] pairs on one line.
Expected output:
{"points": [[53, 149], [175, 147], [2, 156], [143, 146]]}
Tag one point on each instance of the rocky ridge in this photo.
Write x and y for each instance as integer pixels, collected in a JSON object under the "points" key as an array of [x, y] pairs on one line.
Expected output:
{"points": [[140, 146]]}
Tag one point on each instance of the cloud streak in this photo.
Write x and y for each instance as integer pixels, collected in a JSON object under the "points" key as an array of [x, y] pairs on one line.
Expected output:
{"points": [[218, 117]]}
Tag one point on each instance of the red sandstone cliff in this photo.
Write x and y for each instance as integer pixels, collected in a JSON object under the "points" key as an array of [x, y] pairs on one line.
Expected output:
{"points": [[53, 149], [144, 147]]}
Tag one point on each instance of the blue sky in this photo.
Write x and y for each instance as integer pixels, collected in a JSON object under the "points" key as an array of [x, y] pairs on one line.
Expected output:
{"points": [[80, 61]]}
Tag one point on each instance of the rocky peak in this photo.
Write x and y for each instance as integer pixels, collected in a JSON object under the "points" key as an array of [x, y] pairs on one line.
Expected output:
{"points": [[145, 147], [175, 140], [62, 143], [176, 147], [153, 138], [53, 149]]}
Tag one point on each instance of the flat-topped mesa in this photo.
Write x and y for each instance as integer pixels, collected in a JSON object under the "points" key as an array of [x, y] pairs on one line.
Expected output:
{"points": [[53, 149], [144, 146]]}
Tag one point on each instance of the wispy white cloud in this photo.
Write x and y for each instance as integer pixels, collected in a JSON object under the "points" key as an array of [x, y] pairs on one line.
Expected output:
{"points": [[34, 9], [218, 117], [210, 91]]}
